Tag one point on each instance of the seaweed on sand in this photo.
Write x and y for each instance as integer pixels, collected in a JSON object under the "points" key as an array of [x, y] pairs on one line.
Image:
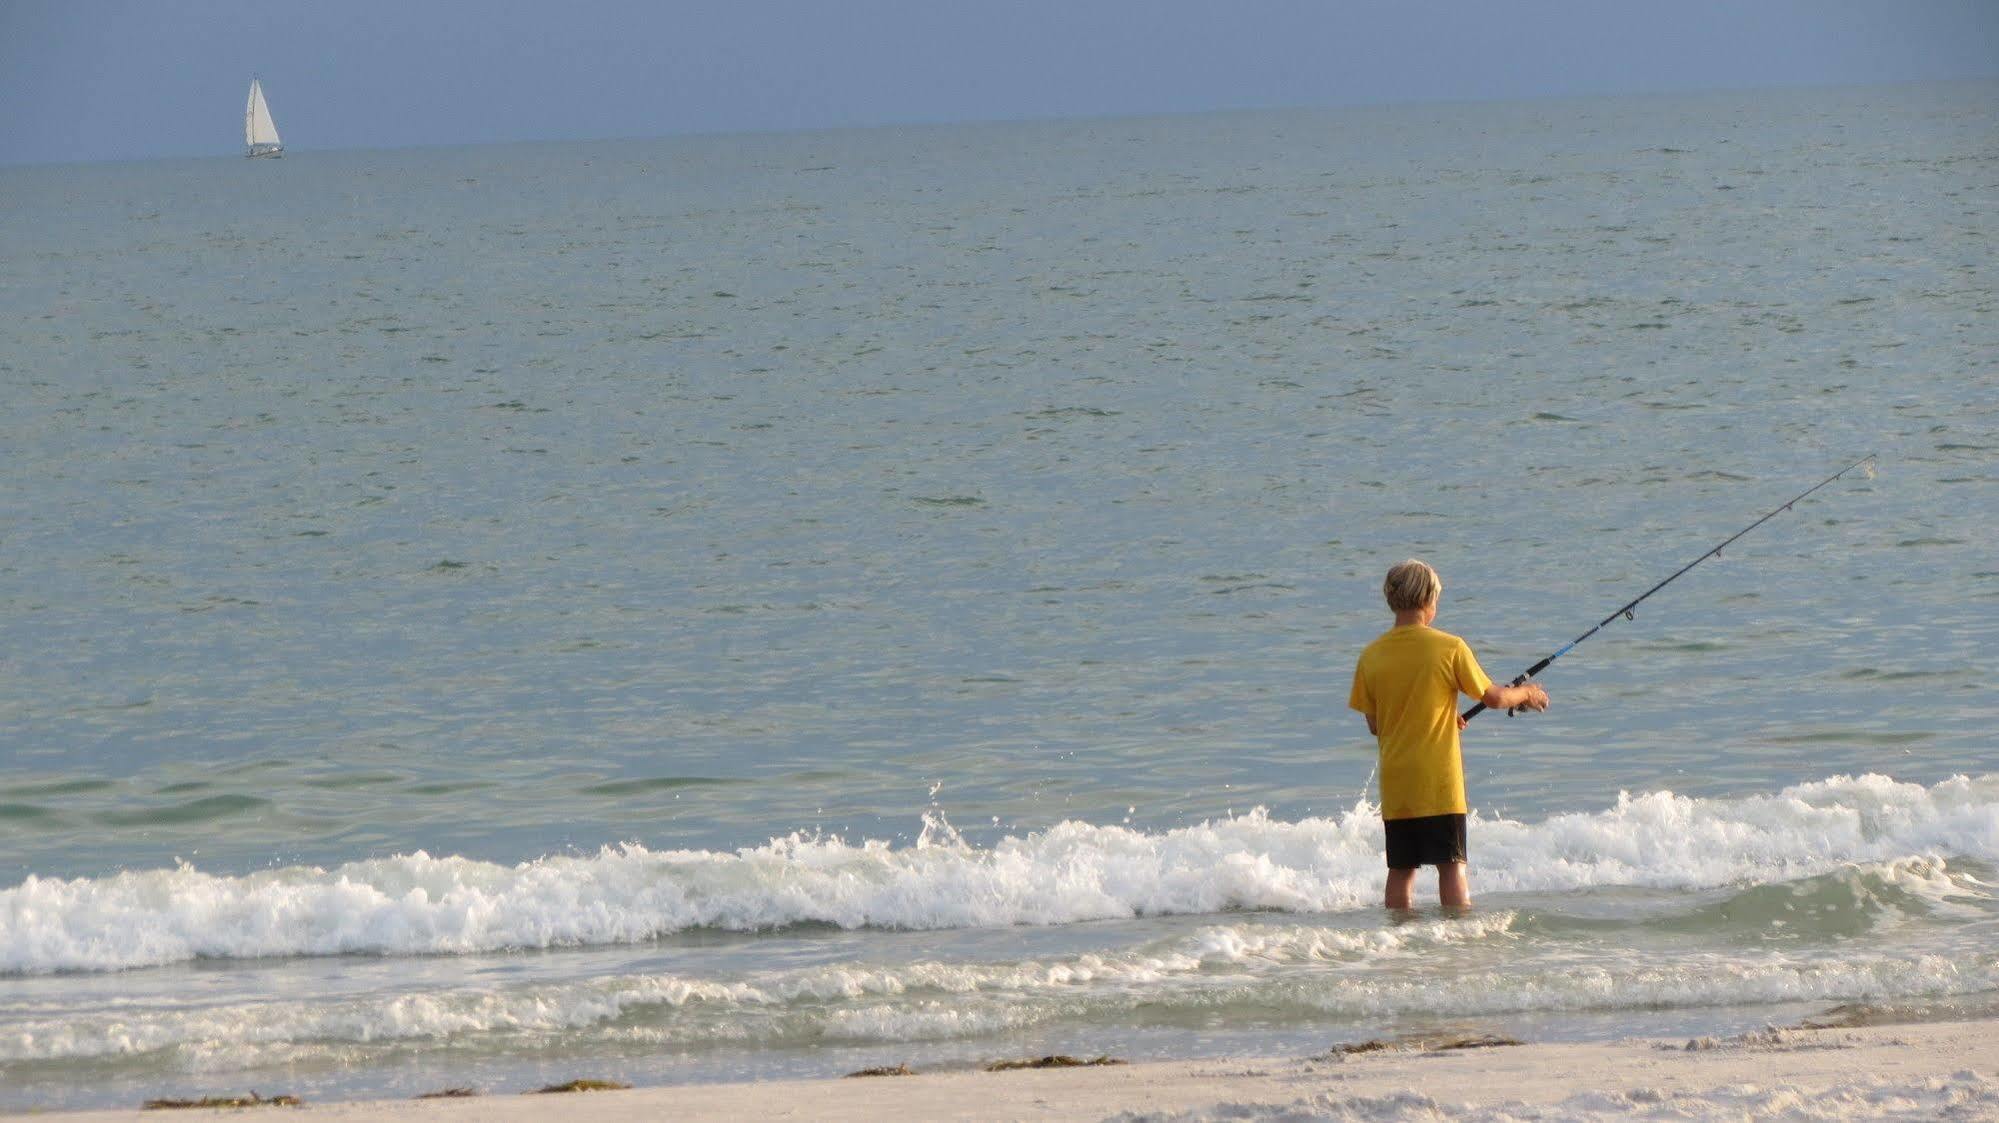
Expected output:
{"points": [[1054, 1060], [251, 1100], [1427, 1043], [585, 1086]]}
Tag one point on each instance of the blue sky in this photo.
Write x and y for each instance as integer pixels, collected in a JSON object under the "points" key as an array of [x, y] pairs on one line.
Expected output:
{"points": [[122, 79]]}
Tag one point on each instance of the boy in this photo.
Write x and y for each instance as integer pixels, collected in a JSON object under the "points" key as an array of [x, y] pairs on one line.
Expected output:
{"points": [[1407, 684]]}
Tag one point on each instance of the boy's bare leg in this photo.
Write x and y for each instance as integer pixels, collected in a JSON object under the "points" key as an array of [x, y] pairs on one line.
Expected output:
{"points": [[1453, 888], [1401, 883]]}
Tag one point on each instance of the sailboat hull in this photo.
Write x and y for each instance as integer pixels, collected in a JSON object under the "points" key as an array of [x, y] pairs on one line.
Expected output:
{"points": [[272, 150]]}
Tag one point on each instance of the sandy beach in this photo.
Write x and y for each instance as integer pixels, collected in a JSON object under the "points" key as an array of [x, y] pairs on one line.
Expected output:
{"points": [[1923, 1071]]}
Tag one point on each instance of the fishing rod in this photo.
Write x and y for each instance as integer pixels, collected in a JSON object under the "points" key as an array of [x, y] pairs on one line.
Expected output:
{"points": [[1626, 610]]}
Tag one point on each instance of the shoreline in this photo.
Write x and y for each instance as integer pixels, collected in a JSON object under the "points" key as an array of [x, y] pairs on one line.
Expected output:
{"points": [[1915, 1070]]}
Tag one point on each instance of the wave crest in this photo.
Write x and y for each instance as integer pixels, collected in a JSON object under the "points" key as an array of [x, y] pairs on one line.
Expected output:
{"points": [[419, 904]]}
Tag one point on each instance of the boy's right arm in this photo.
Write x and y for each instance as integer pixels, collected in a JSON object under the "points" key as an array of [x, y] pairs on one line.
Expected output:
{"points": [[1526, 696], [1361, 700]]}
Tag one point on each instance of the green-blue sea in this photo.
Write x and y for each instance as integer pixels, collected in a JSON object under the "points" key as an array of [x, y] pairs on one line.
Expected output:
{"points": [[740, 606]]}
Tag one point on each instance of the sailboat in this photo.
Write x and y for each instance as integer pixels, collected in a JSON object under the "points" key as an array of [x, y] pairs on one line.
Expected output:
{"points": [[260, 133]]}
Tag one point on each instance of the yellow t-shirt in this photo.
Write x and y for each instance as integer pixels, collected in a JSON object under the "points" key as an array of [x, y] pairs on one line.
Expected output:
{"points": [[1409, 680]]}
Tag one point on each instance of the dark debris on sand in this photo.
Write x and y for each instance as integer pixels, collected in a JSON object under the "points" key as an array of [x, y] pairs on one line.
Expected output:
{"points": [[584, 1086], [1427, 1043], [1476, 1041], [449, 1094], [1055, 1060], [251, 1100], [899, 1070]]}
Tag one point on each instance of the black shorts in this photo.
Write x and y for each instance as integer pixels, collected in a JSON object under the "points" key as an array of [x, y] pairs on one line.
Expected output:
{"points": [[1428, 841]]}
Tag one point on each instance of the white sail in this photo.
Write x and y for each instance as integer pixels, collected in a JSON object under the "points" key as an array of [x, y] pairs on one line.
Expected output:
{"points": [[260, 133]]}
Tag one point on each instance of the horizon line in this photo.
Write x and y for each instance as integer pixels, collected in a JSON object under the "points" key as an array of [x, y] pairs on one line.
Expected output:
{"points": [[1032, 119]]}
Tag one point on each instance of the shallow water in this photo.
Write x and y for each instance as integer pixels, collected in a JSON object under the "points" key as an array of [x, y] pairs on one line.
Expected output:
{"points": [[391, 532]]}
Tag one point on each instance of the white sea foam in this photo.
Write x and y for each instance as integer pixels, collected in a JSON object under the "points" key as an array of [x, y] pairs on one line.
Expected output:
{"points": [[1371, 973], [917, 1001], [418, 904], [1963, 1095], [1623, 981], [1215, 967], [1298, 971]]}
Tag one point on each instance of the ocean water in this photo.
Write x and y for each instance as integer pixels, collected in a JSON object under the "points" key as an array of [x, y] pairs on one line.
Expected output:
{"points": [[774, 605]]}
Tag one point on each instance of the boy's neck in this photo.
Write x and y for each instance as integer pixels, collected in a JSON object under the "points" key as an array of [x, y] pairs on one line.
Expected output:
{"points": [[1415, 618]]}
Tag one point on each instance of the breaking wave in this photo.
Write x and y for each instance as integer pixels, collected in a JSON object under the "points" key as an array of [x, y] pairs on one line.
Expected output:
{"points": [[417, 904]]}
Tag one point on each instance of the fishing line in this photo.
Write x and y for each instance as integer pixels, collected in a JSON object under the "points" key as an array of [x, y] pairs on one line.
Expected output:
{"points": [[1626, 611]]}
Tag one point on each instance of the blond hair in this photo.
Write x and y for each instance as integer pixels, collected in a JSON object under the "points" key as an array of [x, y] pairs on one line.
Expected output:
{"points": [[1412, 585]]}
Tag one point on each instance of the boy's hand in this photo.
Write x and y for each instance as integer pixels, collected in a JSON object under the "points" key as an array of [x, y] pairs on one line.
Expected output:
{"points": [[1526, 696], [1462, 723]]}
